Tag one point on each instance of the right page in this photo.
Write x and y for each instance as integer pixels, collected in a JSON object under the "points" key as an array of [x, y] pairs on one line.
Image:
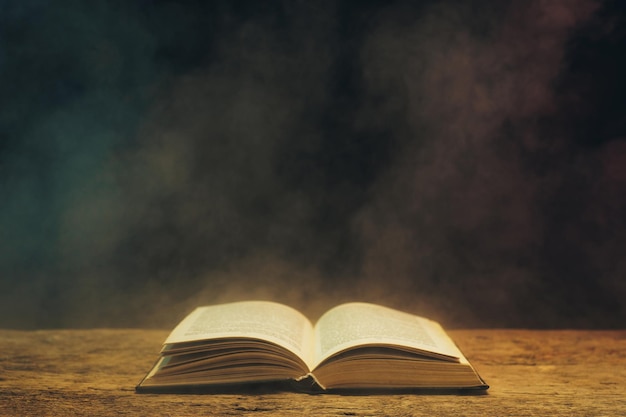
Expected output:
{"points": [[361, 324]]}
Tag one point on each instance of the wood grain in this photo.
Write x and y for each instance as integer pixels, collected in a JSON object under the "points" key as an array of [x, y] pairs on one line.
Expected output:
{"points": [[94, 372]]}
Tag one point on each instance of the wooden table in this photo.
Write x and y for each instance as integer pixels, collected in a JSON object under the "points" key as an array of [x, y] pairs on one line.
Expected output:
{"points": [[94, 372]]}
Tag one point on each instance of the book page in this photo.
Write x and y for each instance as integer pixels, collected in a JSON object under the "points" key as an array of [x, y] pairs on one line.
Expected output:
{"points": [[265, 320], [354, 324]]}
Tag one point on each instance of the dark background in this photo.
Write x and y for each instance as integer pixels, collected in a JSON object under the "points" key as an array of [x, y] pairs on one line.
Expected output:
{"points": [[463, 160]]}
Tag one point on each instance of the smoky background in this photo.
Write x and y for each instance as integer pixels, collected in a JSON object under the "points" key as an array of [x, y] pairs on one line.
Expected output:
{"points": [[460, 160]]}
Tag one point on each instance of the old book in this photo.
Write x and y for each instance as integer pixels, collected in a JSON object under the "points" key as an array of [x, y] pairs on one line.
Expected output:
{"points": [[354, 346]]}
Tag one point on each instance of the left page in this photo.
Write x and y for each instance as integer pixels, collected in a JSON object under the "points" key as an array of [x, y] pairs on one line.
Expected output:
{"points": [[274, 322]]}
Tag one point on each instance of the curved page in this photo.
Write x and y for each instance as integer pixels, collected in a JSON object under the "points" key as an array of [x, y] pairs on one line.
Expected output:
{"points": [[265, 320], [361, 324]]}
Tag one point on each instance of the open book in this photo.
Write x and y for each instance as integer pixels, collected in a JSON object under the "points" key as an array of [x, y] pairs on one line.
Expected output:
{"points": [[352, 346]]}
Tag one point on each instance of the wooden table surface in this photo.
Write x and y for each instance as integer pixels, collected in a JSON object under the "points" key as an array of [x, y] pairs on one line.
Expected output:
{"points": [[94, 372]]}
